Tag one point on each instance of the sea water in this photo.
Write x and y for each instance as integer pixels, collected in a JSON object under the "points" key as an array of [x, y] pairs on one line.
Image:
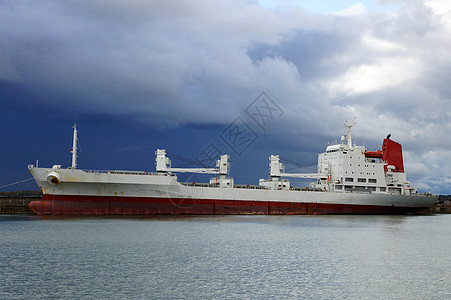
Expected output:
{"points": [[225, 257]]}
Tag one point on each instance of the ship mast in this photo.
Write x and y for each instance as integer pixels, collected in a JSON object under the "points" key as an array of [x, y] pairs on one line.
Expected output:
{"points": [[74, 148], [349, 126]]}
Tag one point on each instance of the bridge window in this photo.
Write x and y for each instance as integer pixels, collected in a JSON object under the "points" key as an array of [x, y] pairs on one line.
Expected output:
{"points": [[349, 179], [372, 180], [361, 179]]}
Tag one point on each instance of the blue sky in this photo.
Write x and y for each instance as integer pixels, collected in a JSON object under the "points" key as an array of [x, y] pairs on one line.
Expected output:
{"points": [[141, 75]]}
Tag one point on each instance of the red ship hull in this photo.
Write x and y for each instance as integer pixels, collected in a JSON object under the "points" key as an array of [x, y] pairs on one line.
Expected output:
{"points": [[104, 205]]}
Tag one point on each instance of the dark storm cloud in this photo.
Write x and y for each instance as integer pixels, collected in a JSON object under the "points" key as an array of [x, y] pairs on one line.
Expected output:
{"points": [[150, 57], [306, 50]]}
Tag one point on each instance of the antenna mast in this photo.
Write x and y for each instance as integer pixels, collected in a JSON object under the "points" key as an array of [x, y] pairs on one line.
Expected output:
{"points": [[74, 148], [349, 126]]}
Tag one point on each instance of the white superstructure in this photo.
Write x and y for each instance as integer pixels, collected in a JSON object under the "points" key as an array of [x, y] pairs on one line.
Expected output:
{"points": [[346, 168]]}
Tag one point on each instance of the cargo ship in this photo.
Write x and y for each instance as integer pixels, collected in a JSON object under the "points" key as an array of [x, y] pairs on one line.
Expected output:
{"points": [[349, 180]]}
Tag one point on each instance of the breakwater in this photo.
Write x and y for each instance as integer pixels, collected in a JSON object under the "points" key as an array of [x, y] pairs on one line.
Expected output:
{"points": [[17, 202], [443, 205]]}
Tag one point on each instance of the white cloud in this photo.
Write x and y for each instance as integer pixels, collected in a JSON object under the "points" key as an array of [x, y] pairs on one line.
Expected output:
{"points": [[383, 73], [379, 45], [439, 7], [354, 10]]}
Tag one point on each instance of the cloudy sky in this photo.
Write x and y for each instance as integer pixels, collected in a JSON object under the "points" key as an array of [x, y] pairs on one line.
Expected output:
{"points": [[188, 76]]}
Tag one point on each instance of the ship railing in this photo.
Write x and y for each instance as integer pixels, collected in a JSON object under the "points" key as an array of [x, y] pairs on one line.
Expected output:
{"points": [[248, 186], [252, 187], [259, 187], [121, 172], [198, 184], [238, 186]]}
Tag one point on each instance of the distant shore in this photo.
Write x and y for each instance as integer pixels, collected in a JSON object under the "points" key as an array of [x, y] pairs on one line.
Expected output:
{"points": [[443, 205], [17, 202]]}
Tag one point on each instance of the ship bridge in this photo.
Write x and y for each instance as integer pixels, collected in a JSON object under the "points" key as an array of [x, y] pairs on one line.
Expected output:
{"points": [[351, 168]]}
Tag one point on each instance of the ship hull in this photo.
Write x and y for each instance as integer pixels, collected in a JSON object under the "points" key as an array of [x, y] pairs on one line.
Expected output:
{"points": [[105, 205], [78, 192]]}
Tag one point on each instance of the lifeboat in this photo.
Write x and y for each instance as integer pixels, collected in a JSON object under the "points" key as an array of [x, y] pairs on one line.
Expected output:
{"points": [[374, 154]]}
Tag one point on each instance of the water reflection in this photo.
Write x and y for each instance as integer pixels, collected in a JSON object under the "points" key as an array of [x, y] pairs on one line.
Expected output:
{"points": [[330, 256]]}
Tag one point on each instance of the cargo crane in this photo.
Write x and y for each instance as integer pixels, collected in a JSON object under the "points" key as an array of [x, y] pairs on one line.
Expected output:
{"points": [[163, 165]]}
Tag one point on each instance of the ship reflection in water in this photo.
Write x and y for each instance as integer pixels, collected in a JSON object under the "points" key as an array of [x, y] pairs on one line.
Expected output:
{"points": [[191, 257]]}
